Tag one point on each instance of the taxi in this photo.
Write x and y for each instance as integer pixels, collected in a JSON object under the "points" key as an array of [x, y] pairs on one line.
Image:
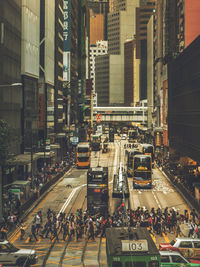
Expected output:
{"points": [[188, 247], [174, 258]]}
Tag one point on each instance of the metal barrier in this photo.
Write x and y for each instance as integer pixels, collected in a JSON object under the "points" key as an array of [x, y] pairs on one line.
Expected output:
{"points": [[44, 188]]}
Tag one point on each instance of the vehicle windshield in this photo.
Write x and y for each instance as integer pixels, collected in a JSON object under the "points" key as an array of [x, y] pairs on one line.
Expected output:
{"points": [[83, 149], [172, 242], [83, 159], [142, 162], [142, 176], [11, 247]]}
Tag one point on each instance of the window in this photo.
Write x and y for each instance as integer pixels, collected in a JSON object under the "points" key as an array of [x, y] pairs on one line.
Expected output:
{"points": [[185, 244], [165, 259], [197, 244], [178, 259], [116, 264], [3, 248]]}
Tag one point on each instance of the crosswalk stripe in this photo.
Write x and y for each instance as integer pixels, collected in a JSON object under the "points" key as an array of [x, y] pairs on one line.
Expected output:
{"points": [[166, 237]]}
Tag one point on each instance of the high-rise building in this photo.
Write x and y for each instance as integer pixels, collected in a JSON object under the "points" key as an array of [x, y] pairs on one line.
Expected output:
{"points": [[130, 69], [98, 11], [121, 26], [188, 22], [102, 80], [10, 58], [59, 109], [47, 70], [143, 14], [101, 48]]}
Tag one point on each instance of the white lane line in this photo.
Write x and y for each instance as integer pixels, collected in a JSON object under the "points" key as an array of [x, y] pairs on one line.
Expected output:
{"points": [[114, 164], [69, 199], [157, 201]]}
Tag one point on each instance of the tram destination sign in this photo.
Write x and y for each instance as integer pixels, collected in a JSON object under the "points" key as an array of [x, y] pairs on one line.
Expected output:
{"points": [[134, 245]]}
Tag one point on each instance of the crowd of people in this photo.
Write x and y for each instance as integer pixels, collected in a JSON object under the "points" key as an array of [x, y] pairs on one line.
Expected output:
{"points": [[80, 224]]}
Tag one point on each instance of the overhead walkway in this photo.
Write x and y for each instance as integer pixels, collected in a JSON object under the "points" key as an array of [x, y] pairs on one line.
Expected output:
{"points": [[122, 114]]}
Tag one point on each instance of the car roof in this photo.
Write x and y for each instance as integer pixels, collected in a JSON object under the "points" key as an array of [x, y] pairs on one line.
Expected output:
{"points": [[169, 252], [3, 241], [187, 239]]}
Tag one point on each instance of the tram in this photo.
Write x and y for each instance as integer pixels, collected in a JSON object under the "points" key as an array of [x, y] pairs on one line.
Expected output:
{"points": [[131, 247], [120, 186], [97, 190]]}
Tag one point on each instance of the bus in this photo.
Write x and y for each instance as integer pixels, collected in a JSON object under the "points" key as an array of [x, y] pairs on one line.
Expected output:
{"points": [[83, 155], [142, 171], [97, 190], [96, 142], [148, 149], [130, 154], [131, 247]]}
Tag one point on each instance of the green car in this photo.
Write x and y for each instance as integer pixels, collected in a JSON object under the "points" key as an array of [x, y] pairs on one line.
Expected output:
{"points": [[174, 259]]}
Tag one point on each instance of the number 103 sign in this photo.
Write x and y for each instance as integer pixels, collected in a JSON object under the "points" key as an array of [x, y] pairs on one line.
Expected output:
{"points": [[134, 245]]}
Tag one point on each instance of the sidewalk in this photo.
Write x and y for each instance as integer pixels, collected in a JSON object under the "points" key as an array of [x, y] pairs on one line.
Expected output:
{"points": [[37, 197], [183, 191]]}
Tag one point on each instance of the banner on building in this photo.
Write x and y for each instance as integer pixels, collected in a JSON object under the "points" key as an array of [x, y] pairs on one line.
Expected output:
{"points": [[67, 38]]}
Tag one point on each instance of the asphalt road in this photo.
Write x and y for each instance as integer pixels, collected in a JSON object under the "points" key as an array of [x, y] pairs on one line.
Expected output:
{"points": [[69, 194]]}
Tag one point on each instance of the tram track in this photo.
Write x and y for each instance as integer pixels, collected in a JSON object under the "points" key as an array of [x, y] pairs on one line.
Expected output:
{"points": [[71, 210]]}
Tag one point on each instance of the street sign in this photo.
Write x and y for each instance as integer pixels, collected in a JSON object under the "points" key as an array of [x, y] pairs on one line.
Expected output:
{"points": [[98, 118]]}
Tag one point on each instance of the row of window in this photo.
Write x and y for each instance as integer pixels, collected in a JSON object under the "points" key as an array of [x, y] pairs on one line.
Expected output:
{"points": [[99, 51]]}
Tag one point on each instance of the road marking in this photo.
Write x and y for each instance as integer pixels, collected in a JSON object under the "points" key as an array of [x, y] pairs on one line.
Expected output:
{"points": [[69, 199], [157, 201], [166, 237]]}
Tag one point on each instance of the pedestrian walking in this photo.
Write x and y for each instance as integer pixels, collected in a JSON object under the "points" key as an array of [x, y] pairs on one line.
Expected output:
{"points": [[91, 229], [22, 231], [33, 232]]}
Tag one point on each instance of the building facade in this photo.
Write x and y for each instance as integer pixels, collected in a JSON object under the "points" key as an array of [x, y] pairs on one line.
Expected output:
{"points": [[143, 14], [184, 95], [129, 72], [121, 26], [101, 48], [102, 80]]}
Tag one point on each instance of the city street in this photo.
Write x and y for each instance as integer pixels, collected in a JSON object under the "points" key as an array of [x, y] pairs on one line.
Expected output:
{"points": [[69, 194]]}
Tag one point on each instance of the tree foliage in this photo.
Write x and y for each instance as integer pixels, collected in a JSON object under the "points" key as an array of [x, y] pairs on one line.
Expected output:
{"points": [[5, 135]]}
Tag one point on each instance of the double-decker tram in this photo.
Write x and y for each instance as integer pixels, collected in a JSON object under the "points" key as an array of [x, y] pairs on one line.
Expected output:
{"points": [[142, 171], [131, 247], [96, 142], [97, 190], [130, 153], [132, 135], [148, 149], [83, 155]]}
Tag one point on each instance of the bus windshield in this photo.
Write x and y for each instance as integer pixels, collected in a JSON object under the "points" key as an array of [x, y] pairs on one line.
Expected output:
{"points": [[142, 175], [83, 149], [142, 163]]}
